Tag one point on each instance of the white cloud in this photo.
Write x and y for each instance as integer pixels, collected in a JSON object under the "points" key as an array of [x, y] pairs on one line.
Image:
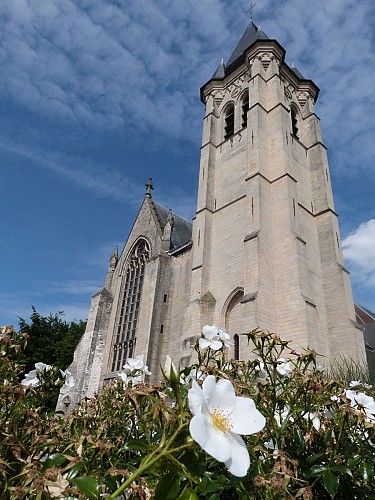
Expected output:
{"points": [[359, 251], [72, 287], [332, 43], [107, 64], [138, 64]]}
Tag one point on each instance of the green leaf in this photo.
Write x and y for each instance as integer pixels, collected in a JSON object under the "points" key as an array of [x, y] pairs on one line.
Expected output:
{"points": [[316, 470], [353, 461], [111, 483], [299, 439], [168, 486], [366, 471], [88, 485], [74, 471], [137, 444], [188, 494], [314, 458], [194, 462], [327, 437], [55, 460], [342, 469], [331, 482]]}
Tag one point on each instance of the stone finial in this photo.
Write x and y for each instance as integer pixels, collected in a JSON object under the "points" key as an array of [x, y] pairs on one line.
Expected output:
{"points": [[149, 186], [114, 258]]}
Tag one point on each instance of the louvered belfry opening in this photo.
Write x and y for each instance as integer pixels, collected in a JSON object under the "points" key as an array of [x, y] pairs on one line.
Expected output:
{"points": [[245, 109], [125, 341], [294, 121], [229, 121]]}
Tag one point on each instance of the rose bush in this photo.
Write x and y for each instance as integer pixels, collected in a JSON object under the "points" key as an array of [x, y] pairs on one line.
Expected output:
{"points": [[274, 427]]}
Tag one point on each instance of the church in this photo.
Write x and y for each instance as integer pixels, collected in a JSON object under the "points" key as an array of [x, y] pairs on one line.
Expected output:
{"points": [[264, 247]]}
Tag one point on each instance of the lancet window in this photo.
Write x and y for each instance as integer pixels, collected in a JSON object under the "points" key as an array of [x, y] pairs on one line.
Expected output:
{"points": [[294, 118], [229, 122], [127, 316], [245, 108], [236, 339]]}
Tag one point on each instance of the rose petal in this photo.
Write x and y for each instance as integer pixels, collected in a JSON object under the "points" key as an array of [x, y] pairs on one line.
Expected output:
{"points": [[214, 442], [239, 461], [219, 395], [196, 399], [204, 343], [246, 418], [210, 332], [216, 345]]}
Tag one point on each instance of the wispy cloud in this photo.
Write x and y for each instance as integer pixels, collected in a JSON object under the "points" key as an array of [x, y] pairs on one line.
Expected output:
{"points": [[73, 287], [108, 64], [359, 251], [103, 180], [138, 65]]}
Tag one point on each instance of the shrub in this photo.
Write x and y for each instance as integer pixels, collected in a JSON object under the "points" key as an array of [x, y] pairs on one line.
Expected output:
{"points": [[305, 434]]}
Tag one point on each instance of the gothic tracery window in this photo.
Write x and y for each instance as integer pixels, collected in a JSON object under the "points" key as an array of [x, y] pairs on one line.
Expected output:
{"points": [[127, 315]]}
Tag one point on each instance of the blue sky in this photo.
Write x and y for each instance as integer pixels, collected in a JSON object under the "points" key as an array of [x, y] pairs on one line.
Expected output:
{"points": [[96, 96]]}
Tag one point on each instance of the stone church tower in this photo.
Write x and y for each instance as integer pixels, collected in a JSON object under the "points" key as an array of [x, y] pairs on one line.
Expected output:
{"points": [[264, 248]]}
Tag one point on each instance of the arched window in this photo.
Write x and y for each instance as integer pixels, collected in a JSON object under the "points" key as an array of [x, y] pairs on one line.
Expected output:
{"points": [[127, 315], [294, 118], [245, 108], [236, 340], [229, 121]]}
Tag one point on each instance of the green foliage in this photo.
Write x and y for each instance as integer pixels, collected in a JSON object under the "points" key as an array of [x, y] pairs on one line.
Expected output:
{"points": [[50, 339], [134, 441]]}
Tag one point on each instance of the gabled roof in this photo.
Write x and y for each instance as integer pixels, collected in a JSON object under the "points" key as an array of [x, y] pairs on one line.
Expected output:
{"points": [[182, 228], [251, 35], [365, 315]]}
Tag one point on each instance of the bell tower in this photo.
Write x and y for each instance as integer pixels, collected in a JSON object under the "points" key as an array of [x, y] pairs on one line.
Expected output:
{"points": [[266, 242]]}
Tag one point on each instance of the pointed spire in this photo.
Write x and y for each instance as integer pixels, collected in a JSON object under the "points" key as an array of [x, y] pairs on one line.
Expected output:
{"points": [[114, 258], [220, 71], [251, 35]]}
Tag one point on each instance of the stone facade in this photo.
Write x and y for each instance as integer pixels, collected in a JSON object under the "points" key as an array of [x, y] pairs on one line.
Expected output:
{"points": [[264, 249]]}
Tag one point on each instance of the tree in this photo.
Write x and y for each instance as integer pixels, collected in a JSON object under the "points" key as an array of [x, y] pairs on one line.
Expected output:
{"points": [[51, 339]]}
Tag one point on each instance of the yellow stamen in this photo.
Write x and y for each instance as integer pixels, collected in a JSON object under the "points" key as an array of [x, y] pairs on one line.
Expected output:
{"points": [[221, 421]]}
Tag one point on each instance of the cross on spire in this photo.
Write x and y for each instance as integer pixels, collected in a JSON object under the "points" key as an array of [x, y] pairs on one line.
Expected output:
{"points": [[149, 186], [250, 9]]}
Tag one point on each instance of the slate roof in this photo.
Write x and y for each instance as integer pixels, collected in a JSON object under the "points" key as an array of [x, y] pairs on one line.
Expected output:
{"points": [[366, 320], [251, 35], [182, 228], [365, 315], [220, 71], [297, 72]]}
